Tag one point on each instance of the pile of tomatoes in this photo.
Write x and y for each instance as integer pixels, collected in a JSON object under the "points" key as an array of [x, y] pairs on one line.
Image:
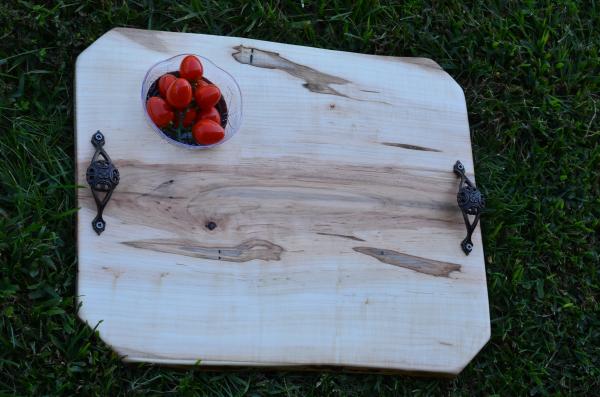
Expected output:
{"points": [[187, 101]]}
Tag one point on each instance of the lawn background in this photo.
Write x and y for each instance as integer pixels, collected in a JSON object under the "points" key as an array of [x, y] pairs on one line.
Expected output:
{"points": [[530, 72]]}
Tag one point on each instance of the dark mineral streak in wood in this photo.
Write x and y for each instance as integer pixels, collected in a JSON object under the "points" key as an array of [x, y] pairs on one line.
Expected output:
{"points": [[341, 235], [410, 147], [243, 252], [415, 263], [315, 81], [148, 38]]}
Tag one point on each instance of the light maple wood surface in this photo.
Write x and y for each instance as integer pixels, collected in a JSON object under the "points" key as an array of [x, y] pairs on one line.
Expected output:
{"points": [[337, 239]]}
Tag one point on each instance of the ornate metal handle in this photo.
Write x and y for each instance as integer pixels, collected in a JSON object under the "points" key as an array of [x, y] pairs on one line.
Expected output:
{"points": [[103, 177], [471, 202]]}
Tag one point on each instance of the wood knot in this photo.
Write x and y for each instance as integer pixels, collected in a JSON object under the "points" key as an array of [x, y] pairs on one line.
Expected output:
{"points": [[211, 225]]}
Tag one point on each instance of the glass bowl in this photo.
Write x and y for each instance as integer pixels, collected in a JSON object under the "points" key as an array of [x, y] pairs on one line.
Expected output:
{"points": [[230, 93]]}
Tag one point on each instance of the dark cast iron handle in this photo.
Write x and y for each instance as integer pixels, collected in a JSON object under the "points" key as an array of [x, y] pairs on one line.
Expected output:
{"points": [[471, 202], [103, 177]]}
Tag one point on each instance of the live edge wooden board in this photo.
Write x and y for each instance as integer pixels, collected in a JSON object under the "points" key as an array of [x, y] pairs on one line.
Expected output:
{"points": [[337, 238]]}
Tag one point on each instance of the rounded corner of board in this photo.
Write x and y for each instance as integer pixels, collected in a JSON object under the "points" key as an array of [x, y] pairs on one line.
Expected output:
{"points": [[88, 52], [455, 88]]}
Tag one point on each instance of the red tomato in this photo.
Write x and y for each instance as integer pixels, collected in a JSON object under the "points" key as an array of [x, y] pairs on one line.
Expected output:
{"points": [[159, 111], [210, 114], [191, 68], [164, 82], [188, 119], [207, 96], [207, 132], [201, 83], [179, 93]]}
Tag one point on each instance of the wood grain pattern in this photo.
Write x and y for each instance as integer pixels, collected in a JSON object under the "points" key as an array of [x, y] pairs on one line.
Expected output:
{"points": [[421, 265], [246, 251], [324, 234], [314, 80]]}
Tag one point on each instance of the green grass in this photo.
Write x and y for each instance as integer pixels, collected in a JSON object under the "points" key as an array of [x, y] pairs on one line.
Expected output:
{"points": [[530, 72]]}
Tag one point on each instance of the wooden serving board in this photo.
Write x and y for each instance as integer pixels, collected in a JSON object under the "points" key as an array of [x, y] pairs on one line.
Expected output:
{"points": [[337, 238]]}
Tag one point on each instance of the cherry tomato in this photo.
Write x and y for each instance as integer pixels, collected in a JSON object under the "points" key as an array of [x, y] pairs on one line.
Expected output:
{"points": [[191, 68], [210, 114], [179, 93], [207, 132], [201, 83], [159, 111], [207, 96], [164, 82], [188, 119]]}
